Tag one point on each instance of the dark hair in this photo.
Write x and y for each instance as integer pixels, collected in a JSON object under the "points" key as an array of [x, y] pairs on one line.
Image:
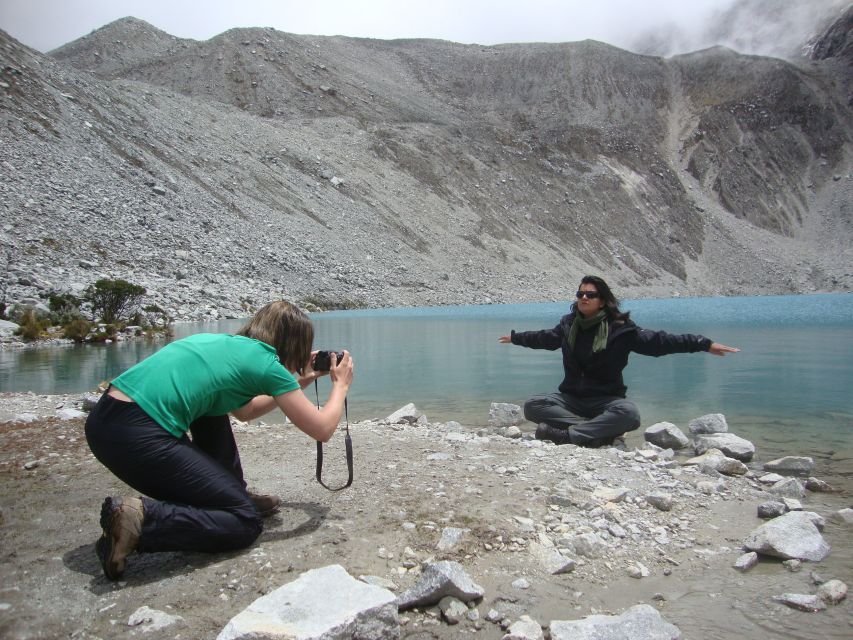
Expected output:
{"points": [[611, 304], [287, 329]]}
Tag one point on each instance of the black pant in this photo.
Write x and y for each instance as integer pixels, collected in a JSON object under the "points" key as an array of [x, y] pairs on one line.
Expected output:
{"points": [[197, 498], [588, 420]]}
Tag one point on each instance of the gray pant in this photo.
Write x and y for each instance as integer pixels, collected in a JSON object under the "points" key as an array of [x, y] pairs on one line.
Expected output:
{"points": [[586, 419]]}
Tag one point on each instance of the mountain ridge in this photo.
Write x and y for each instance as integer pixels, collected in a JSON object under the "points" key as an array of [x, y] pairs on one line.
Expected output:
{"points": [[420, 172]]}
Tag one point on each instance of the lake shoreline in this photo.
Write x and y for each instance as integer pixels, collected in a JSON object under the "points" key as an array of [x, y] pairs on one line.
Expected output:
{"points": [[10, 342], [413, 482]]}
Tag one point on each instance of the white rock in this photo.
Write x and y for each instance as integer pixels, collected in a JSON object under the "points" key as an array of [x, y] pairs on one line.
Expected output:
{"points": [[709, 423], [789, 487], [520, 583], [408, 414], [746, 562], [793, 535], [551, 560], [148, 619], [525, 628], [69, 414], [832, 592], [801, 601], [452, 609], [588, 545], [843, 516], [438, 580], [792, 504], [503, 414], [608, 494], [790, 464], [666, 436], [450, 538], [320, 602], [731, 445], [719, 462], [640, 622]]}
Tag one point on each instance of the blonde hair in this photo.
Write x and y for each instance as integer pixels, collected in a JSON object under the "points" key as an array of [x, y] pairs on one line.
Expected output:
{"points": [[287, 329]]}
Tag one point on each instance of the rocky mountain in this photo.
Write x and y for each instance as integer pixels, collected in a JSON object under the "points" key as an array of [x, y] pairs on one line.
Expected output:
{"points": [[260, 164]]}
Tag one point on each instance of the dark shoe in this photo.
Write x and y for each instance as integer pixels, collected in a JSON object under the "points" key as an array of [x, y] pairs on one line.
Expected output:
{"points": [[121, 521], [554, 434], [265, 504]]}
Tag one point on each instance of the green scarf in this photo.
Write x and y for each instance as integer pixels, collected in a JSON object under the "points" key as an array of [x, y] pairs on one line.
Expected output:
{"points": [[600, 340]]}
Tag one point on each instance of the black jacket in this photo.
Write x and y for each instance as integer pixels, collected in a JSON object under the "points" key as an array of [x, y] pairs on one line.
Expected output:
{"points": [[600, 374]]}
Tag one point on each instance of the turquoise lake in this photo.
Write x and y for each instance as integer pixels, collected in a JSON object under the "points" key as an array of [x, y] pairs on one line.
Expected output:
{"points": [[788, 389]]}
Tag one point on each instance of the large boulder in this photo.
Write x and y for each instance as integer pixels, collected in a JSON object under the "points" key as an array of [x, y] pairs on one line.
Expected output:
{"points": [[640, 622], [666, 436], [793, 535], [322, 604], [731, 445]]}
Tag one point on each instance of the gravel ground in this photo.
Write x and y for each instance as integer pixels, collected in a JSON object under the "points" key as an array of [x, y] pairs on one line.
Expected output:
{"points": [[412, 481]]}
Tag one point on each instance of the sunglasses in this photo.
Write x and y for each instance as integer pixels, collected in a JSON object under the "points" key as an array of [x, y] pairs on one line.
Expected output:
{"points": [[589, 295]]}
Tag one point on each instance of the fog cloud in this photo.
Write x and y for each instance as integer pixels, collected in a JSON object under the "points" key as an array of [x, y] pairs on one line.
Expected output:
{"points": [[777, 28]]}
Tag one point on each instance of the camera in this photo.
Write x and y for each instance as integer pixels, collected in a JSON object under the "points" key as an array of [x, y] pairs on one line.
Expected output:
{"points": [[323, 360]]}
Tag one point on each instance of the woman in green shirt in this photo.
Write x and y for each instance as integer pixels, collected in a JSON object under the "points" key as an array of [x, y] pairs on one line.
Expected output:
{"points": [[195, 497]]}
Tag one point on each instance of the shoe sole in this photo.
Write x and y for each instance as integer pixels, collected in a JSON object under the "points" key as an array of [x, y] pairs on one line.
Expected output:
{"points": [[104, 546]]}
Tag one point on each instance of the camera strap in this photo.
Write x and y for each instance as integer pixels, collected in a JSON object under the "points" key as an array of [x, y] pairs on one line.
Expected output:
{"points": [[347, 444]]}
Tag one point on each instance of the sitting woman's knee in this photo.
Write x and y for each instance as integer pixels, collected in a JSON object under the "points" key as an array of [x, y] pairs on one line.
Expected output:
{"points": [[629, 414], [534, 406]]}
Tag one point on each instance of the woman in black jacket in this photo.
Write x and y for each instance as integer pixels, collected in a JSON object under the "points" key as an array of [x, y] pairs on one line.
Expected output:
{"points": [[590, 409]]}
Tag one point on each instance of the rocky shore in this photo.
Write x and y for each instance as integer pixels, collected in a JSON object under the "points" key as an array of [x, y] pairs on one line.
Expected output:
{"points": [[447, 532]]}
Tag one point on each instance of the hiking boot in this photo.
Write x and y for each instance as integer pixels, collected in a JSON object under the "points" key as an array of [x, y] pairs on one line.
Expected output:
{"points": [[121, 521], [554, 434], [265, 504]]}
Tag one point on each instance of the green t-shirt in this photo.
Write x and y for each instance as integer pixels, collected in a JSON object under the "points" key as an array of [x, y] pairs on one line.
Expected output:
{"points": [[207, 374]]}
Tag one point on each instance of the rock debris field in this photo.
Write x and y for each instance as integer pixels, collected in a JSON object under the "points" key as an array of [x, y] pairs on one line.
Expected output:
{"points": [[447, 532]]}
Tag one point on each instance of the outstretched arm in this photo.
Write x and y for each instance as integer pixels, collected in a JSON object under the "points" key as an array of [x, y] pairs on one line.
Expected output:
{"points": [[718, 349], [546, 339]]}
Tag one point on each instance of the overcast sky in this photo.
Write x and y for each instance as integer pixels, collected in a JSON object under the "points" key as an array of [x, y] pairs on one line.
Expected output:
{"points": [[47, 24]]}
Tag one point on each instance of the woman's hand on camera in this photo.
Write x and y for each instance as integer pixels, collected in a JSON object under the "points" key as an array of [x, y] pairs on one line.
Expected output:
{"points": [[341, 372], [309, 375]]}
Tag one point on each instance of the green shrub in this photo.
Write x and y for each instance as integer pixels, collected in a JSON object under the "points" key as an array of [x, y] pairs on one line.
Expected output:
{"points": [[156, 318], [76, 329], [320, 303], [31, 326], [112, 300], [64, 307]]}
